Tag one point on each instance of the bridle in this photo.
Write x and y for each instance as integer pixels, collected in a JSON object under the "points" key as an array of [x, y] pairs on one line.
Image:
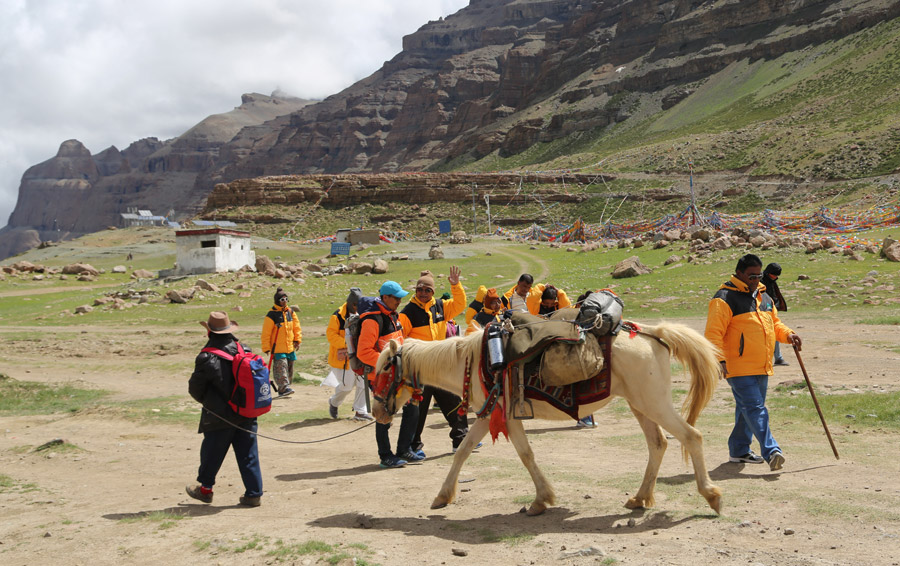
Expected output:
{"points": [[391, 381]]}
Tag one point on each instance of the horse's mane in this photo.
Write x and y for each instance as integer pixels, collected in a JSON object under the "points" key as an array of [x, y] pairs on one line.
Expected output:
{"points": [[434, 361]]}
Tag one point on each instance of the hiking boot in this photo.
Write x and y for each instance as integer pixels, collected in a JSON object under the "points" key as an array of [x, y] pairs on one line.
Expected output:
{"points": [[412, 457], [392, 462], [199, 493], [332, 410], [286, 391], [586, 422], [781, 362], [748, 458], [250, 501], [363, 417], [776, 461]]}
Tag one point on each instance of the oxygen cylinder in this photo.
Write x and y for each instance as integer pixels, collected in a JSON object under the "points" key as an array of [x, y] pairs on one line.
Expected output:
{"points": [[495, 346]]}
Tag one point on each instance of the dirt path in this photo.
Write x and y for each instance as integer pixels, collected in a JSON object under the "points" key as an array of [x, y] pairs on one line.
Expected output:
{"points": [[119, 498]]}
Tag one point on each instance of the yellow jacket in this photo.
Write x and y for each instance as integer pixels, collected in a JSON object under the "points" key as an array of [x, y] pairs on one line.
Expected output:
{"points": [[475, 306], [533, 299], [335, 335], [428, 321], [745, 327], [285, 321]]}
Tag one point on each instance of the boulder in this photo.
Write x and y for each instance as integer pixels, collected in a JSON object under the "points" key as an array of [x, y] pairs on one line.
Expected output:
{"points": [[701, 234], [86, 277], [142, 274], [265, 266], [24, 266], [360, 267], [672, 259], [436, 252], [120, 269], [207, 286], [379, 266], [79, 268], [757, 241], [460, 237], [892, 252], [83, 309], [629, 267], [722, 243]]}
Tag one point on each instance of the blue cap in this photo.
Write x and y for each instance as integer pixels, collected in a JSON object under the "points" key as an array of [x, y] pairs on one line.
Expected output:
{"points": [[392, 288]]}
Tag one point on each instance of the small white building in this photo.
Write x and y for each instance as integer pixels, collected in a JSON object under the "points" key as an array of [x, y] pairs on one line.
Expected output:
{"points": [[211, 250]]}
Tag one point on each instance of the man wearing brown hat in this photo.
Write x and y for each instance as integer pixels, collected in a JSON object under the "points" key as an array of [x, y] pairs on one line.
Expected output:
{"points": [[211, 385], [425, 318], [490, 311], [281, 335]]}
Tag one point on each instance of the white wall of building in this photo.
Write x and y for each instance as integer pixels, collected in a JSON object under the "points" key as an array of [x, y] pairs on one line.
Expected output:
{"points": [[211, 253]]}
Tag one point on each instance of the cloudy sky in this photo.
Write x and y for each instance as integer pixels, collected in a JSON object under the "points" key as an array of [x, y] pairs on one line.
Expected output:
{"points": [[108, 72]]}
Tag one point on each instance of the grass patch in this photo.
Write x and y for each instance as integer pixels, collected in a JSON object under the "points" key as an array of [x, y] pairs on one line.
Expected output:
{"points": [[488, 535], [31, 398], [872, 410], [888, 320], [163, 519], [11, 485]]}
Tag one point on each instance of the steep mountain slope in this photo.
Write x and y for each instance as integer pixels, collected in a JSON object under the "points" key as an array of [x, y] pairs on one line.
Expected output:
{"points": [[75, 192], [803, 88]]}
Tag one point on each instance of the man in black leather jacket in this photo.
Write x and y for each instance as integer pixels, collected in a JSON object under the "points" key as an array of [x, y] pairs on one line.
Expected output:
{"points": [[211, 385]]}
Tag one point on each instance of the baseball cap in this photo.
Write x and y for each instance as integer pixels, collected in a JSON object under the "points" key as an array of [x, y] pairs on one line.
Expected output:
{"points": [[392, 288]]}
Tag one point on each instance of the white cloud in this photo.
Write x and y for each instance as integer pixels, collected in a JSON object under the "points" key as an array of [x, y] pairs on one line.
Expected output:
{"points": [[108, 72]]}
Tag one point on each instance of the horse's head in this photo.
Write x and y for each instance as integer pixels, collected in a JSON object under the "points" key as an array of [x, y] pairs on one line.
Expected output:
{"points": [[391, 389]]}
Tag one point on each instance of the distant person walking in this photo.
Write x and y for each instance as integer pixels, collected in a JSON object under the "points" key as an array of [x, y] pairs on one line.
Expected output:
{"points": [[743, 323], [770, 279], [281, 335], [211, 385], [341, 377]]}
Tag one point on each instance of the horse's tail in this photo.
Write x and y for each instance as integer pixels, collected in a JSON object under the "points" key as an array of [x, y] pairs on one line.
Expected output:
{"points": [[698, 355]]}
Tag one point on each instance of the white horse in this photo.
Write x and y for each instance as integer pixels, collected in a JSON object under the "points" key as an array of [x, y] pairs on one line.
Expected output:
{"points": [[640, 374]]}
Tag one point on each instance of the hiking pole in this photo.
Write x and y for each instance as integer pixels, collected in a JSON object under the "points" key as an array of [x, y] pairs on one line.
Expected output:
{"points": [[816, 402]]}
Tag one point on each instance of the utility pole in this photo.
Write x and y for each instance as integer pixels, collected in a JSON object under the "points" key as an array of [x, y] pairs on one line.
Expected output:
{"points": [[474, 221]]}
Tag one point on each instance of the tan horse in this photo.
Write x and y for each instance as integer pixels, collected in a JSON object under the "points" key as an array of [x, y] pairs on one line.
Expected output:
{"points": [[640, 374]]}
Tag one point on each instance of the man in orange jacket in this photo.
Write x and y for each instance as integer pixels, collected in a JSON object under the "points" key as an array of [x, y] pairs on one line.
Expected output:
{"points": [[378, 326], [425, 318], [743, 322]]}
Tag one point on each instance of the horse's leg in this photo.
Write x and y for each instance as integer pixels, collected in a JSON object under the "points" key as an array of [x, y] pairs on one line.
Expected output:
{"points": [[544, 495], [656, 445], [448, 491], [666, 416]]}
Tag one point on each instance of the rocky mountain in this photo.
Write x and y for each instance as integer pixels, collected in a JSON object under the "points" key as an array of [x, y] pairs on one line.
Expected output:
{"points": [[76, 192], [805, 88]]}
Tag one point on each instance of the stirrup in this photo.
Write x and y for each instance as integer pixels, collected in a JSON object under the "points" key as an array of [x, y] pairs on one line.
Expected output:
{"points": [[522, 408]]}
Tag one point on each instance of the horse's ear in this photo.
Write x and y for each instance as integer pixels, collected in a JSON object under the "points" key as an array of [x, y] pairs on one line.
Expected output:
{"points": [[393, 346]]}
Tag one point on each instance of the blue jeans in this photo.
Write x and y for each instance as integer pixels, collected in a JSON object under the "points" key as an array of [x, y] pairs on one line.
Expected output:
{"points": [[751, 418], [408, 423], [214, 448]]}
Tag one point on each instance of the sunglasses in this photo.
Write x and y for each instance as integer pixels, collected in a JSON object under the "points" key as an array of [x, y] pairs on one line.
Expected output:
{"points": [[283, 300], [755, 276]]}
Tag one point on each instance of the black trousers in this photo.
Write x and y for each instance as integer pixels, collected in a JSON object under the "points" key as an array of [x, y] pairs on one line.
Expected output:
{"points": [[448, 403]]}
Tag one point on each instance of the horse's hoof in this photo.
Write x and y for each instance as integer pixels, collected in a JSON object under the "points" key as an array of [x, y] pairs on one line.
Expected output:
{"points": [[637, 503], [535, 509], [439, 503], [715, 501]]}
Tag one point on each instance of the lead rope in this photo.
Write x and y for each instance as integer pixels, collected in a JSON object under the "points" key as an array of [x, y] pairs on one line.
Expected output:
{"points": [[229, 423]]}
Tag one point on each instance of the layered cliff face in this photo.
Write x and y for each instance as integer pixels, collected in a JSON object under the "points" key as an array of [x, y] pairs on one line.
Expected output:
{"points": [[503, 75], [497, 83], [75, 192]]}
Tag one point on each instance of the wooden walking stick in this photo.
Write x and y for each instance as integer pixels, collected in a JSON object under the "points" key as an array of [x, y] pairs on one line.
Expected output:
{"points": [[816, 402]]}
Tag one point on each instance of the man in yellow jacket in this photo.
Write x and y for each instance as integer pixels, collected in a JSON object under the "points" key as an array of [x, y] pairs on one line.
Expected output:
{"points": [[743, 322], [341, 377], [525, 296], [425, 318], [281, 335]]}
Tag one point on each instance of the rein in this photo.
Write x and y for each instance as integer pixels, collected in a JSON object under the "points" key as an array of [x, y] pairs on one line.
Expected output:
{"points": [[398, 381], [634, 329]]}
